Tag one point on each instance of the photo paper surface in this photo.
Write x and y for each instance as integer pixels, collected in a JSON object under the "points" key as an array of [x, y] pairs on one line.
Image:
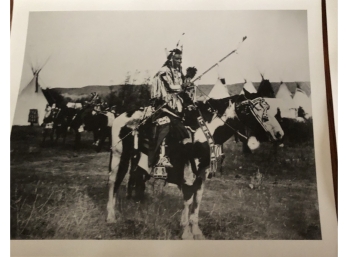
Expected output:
{"points": [[138, 125]]}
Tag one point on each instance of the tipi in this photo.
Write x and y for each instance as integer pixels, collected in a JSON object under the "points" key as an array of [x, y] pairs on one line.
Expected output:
{"points": [[219, 90], [265, 89], [287, 106], [302, 100], [31, 103], [248, 86]]}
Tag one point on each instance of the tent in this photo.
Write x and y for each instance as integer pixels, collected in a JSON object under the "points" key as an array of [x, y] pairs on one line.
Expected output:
{"points": [[286, 104], [265, 89], [302, 100], [248, 86], [219, 90], [31, 103]]}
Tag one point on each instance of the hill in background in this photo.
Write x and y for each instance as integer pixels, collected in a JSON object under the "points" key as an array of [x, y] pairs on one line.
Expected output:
{"points": [[128, 96]]}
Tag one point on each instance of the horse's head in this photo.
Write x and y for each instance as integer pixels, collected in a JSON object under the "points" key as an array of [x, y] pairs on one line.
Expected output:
{"points": [[254, 112]]}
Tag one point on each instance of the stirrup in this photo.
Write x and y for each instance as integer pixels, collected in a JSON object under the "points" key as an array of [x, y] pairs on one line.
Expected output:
{"points": [[159, 172]]}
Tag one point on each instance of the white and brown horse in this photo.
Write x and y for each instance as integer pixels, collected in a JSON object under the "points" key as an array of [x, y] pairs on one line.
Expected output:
{"points": [[190, 158]]}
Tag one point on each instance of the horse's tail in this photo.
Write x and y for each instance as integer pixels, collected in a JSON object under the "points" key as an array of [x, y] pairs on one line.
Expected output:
{"points": [[110, 159]]}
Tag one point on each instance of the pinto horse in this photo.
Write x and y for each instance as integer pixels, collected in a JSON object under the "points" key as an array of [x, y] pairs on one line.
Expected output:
{"points": [[190, 158]]}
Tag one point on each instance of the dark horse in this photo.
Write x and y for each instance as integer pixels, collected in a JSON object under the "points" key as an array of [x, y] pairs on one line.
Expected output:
{"points": [[57, 122], [97, 122], [191, 158]]}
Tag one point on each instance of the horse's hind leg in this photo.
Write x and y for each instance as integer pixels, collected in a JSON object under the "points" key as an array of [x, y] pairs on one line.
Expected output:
{"points": [[58, 132], [77, 139], [119, 168], [65, 131], [44, 135], [51, 135], [100, 139], [132, 175], [197, 199]]}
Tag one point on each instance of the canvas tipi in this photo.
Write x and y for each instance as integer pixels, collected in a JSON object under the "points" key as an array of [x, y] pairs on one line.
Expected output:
{"points": [[265, 89], [286, 105], [31, 102], [248, 86], [219, 90], [302, 100]]}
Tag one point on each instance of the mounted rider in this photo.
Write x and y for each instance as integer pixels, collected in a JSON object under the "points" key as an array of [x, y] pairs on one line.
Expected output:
{"points": [[168, 99], [50, 114]]}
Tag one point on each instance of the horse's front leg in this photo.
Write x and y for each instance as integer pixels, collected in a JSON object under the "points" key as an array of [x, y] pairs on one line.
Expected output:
{"points": [[77, 138], [222, 158], [58, 132], [96, 136], [44, 134], [197, 199], [115, 161], [185, 221], [52, 134], [65, 131]]}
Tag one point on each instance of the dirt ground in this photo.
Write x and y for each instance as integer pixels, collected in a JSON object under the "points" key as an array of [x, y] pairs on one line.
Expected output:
{"points": [[59, 193]]}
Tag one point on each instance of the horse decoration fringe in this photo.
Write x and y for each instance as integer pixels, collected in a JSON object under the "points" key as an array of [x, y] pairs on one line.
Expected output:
{"points": [[210, 140]]}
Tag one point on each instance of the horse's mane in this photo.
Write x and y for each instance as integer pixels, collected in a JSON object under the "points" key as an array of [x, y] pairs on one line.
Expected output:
{"points": [[220, 105]]}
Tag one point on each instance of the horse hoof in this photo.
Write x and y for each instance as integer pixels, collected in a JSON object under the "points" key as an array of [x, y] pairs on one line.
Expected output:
{"points": [[199, 237], [187, 234], [110, 220]]}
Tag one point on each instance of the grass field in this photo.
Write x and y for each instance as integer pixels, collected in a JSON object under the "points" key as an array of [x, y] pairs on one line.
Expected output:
{"points": [[57, 193]]}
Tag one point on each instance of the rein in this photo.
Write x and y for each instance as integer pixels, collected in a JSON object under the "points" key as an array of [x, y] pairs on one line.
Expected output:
{"points": [[235, 130]]}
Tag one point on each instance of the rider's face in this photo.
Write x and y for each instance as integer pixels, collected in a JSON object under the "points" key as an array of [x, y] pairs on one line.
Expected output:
{"points": [[177, 59]]}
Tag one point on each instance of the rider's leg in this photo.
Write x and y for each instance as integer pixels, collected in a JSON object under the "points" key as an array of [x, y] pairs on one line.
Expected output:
{"points": [[161, 132]]}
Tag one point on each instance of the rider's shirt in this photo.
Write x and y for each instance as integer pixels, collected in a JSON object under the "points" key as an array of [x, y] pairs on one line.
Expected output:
{"points": [[166, 83]]}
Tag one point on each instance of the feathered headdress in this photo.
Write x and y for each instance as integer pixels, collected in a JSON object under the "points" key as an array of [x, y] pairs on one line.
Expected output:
{"points": [[171, 53]]}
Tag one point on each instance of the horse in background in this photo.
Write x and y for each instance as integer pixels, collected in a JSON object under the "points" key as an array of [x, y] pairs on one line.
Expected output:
{"points": [[92, 118], [57, 121]]}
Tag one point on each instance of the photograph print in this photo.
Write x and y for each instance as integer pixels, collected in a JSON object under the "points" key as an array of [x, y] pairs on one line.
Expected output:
{"points": [[170, 125]]}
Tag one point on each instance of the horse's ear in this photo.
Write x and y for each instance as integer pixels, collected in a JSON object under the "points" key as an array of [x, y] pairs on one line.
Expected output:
{"points": [[230, 103]]}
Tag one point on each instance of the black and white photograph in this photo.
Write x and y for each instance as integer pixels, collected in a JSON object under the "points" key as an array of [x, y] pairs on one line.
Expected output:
{"points": [[165, 125]]}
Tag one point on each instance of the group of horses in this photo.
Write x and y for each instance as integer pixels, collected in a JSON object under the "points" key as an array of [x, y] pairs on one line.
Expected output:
{"points": [[244, 116], [58, 121]]}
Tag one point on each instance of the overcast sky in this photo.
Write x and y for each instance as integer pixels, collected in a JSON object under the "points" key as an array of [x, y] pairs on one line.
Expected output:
{"points": [[99, 48]]}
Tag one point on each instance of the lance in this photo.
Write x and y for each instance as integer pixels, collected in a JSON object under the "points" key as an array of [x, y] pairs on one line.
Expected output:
{"points": [[216, 64]]}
